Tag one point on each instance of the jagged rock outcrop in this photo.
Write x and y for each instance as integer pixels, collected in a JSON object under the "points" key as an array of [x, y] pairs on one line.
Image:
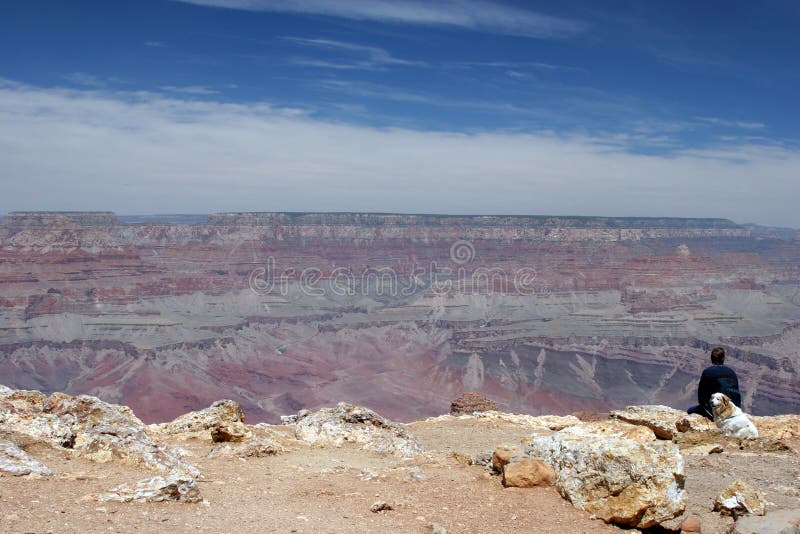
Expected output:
{"points": [[89, 427], [740, 498], [777, 427], [157, 489], [616, 474], [219, 414], [16, 462], [662, 420], [610, 429], [346, 423], [25, 413], [469, 403]]}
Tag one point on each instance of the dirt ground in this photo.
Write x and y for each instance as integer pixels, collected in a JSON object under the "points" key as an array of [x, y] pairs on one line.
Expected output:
{"points": [[306, 489], [310, 489]]}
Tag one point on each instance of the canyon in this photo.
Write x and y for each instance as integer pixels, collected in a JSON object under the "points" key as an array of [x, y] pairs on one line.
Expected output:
{"points": [[402, 313]]}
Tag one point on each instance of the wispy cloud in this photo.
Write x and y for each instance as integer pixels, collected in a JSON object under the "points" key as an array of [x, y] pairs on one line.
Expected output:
{"points": [[384, 92], [155, 44], [199, 90], [87, 80], [515, 65], [478, 15], [206, 155], [357, 56], [748, 125]]}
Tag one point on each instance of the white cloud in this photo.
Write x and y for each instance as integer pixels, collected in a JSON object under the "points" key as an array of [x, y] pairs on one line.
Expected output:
{"points": [[478, 15], [145, 153], [748, 125], [362, 57], [154, 44]]}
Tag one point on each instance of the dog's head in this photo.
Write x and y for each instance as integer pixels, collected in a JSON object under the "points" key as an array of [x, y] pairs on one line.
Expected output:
{"points": [[721, 405]]}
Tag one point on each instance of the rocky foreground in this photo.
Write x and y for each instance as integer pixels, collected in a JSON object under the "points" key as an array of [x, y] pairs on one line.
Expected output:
{"points": [[79, 464]]}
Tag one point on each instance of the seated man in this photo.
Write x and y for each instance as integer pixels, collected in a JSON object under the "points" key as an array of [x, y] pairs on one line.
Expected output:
{"points": [[718, 378]]}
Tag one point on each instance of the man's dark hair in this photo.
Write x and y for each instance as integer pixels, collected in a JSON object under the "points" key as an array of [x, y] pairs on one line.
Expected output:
{"points": [[718, 356]]}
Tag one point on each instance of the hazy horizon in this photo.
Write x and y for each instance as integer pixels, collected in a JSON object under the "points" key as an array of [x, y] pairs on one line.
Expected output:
{"points": [[432, 214]]}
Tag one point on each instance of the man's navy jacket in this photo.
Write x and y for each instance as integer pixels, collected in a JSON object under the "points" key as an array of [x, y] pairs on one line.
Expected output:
{"points": [[718, 379]]}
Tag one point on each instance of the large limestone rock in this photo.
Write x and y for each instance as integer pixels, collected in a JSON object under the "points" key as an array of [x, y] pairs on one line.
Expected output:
{"points": [[16, 462], [631, 482], [105, 431], [662, 420], [172, 488], [740, 498], [346, 423], [221, 412], [89, 426], [611, 429], [469, 403], [24, 413]]}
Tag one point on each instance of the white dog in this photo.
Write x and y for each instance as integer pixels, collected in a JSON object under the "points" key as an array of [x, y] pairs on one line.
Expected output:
{"points": [[730, 418]]}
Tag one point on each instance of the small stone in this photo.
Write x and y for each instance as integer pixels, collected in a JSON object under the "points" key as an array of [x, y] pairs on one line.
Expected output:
{"points": [[528, 473], [716, 450], [157, 489], [436, 528], [740, 498], [691, 524], [482, 458], [380, 506]]}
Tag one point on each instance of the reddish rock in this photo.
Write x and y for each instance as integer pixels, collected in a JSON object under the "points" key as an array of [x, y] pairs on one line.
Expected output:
{"points": [[468, 403], [691, 524], [528, 473]]}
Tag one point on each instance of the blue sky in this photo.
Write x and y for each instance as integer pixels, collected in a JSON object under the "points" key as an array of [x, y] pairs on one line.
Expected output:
{"points": [[461, 106]]}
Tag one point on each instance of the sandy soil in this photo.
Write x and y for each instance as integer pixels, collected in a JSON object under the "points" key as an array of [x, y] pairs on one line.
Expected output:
{"points": [[307, 489]]}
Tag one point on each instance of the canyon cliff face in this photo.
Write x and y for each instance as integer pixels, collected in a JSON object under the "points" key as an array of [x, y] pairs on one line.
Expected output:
{"points": [[401, 313]]}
